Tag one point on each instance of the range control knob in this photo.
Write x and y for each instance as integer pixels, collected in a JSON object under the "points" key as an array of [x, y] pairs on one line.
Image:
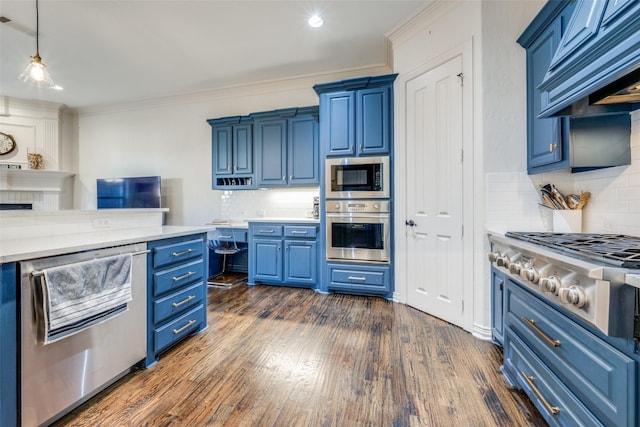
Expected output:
{"points": [[503, 261], [573, 295], [550, 284], [493, 256], [530, 274], [515, 267]]}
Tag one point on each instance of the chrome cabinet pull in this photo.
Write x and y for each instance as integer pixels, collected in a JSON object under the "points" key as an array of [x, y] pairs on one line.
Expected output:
{"points": [[552, 147], [226, 237], [553, 410], [178, 304], [177, 331], [532, 325], [298, 232], [184, 276], [188, 251], [265, 231], [362, 279]]}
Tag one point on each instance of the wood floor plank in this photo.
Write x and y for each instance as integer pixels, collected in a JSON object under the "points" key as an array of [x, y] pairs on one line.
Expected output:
{"points": [[279, 356]]}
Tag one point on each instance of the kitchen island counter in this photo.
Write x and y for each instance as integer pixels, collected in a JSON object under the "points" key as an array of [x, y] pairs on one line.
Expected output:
{"points": [[13, 250]]}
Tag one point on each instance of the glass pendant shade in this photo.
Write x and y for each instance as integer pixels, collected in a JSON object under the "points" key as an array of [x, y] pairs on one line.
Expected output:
{"points": [[36, 73]]}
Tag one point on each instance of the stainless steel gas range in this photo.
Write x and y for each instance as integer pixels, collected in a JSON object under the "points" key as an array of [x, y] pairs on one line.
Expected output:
{"points": [[584, 274], [565, 309]]}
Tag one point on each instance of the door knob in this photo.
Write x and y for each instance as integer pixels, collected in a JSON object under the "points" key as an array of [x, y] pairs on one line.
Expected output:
{"points": [[411, 223]]}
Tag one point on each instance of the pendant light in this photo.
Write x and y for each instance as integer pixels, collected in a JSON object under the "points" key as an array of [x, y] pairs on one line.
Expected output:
{"points": [[36, 72]]}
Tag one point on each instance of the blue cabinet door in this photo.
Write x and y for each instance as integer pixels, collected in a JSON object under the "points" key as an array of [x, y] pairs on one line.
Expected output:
{"points": [[267, 259], [243, 149], [272, 153], [339, 122], [300, 261], [373, 120], [222, 148], [544, 135], [303, 153], [8, 345], [497, 299]]}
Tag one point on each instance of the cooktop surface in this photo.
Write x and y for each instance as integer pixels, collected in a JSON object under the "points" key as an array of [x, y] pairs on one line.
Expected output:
{"points": [[613, 249]]}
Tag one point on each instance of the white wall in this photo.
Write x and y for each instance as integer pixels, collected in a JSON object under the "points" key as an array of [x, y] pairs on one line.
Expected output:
{"points": [[171, 138]]}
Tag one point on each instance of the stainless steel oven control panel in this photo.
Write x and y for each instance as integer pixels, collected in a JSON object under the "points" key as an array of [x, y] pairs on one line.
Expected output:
{"points": [[357, 206]]}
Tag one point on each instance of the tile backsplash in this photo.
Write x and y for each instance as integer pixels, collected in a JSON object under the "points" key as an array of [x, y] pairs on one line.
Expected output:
{"points": [[285, 203], [513, 200]]}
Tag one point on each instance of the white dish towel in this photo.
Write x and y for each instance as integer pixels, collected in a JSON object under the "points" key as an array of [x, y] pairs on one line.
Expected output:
{"points": [[77, 296]]}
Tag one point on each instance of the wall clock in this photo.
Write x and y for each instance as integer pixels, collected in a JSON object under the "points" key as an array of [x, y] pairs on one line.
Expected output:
{"points": [[7, 143]]}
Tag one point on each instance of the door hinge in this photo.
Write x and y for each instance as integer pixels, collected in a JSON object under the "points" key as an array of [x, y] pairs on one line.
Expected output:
{"points": [[461, 77]]}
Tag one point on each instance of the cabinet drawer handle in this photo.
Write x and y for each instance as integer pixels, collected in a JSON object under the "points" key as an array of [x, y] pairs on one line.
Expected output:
{"points": [[188, 251], [298, 232], [178, 304], [552, 147], [532, 325], [362, 279], [553, 410], [177, 331], [184, 276], [226, 237], [265, 231]]}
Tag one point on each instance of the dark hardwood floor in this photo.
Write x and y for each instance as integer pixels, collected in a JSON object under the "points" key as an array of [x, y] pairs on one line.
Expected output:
{"points": [[277, 356]]}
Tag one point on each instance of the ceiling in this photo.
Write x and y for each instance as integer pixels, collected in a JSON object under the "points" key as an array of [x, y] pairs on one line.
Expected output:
{"points": [[106, 51]]}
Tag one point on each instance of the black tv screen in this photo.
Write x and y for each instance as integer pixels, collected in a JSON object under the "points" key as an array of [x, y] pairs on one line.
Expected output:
{"points": [[128, 193]]}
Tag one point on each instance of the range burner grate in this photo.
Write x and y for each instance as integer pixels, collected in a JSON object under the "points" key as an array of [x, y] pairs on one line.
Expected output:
{"points": [[613, 249]]}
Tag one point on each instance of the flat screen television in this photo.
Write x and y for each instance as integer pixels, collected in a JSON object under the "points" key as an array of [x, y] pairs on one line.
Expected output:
{"points": [[128, 193]]}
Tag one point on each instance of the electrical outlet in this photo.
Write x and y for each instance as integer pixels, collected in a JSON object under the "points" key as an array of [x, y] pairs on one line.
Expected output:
{"points": [[102, 222], [260, 213]]}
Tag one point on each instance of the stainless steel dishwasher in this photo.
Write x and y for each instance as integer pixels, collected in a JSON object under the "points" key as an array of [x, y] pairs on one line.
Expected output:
{"points": [[59, 376]]}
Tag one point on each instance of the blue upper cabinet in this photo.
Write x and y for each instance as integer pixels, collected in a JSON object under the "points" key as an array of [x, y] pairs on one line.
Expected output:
{"points": [[287, 149], [373, 120], [357, 116], [232, 152], [339, 122], [271, 137], [303, 151], [547, 148]]}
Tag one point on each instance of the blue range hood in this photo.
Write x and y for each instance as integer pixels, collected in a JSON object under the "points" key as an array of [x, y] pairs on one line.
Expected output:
{"points": [[596, 69]]}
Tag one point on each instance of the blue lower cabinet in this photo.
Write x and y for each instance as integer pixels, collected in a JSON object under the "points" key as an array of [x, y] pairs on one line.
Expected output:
{"points": [[176, 292], [360, 278], [301, 261], [8, 346], [573, 376], [283, 254]]}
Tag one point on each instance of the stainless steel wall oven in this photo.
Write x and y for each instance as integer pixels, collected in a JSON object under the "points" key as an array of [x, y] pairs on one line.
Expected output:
{"points": [[358, 230]]}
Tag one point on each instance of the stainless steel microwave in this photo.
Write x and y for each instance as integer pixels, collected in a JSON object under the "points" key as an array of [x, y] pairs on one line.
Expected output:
{"points": [[357, 178]]}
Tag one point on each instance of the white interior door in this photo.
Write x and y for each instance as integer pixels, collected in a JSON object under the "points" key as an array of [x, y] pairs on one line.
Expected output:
{"points": [[434, 186]]}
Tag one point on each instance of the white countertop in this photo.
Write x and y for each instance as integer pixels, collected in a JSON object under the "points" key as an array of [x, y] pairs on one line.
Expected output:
{"points": [[284, 219], [30, 248], [633, 280]]}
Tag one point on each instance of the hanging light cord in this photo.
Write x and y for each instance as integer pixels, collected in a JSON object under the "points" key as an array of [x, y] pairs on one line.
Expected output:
{"points": [[37, 30]]}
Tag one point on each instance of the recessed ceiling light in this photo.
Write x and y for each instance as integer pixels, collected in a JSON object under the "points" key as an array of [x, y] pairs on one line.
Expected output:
{"points": [[315, 21]]}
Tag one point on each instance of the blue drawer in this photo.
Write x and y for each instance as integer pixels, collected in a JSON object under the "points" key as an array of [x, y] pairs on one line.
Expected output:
{"points": [[231, 235], [177, 277], [169, 306], [179, 328], [360, 279], [541, 385], [177, 252], [302, 231], [267, 230]]}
